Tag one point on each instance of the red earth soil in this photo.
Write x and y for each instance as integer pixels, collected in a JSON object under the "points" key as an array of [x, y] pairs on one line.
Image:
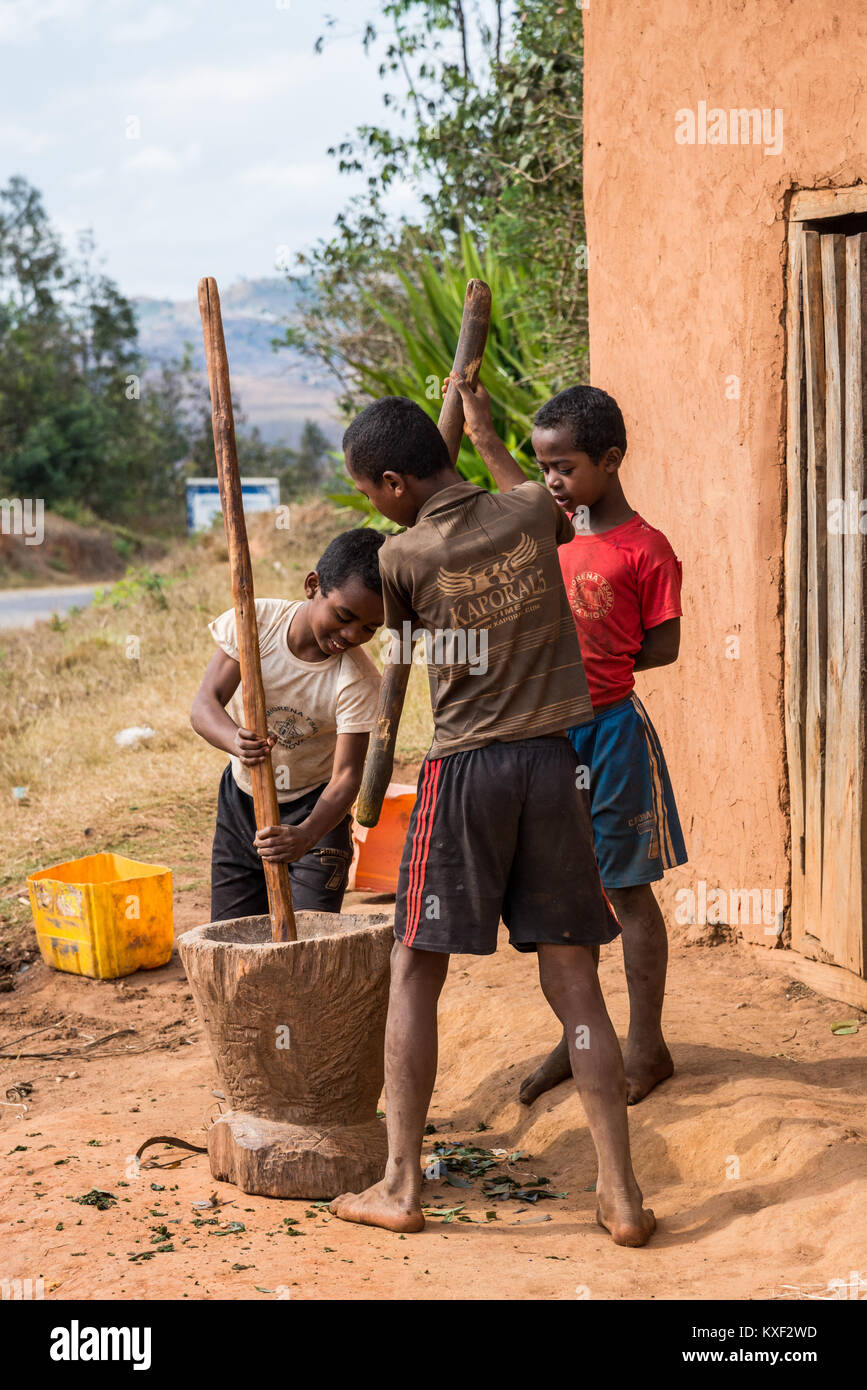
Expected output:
{"points": [[752, 1156]]}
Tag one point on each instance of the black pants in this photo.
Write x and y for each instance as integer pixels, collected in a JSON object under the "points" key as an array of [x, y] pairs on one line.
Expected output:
{"points": [[237, 877]]}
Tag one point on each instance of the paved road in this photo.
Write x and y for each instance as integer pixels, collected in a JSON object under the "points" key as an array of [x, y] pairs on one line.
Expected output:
{"points": [[24, 607]]}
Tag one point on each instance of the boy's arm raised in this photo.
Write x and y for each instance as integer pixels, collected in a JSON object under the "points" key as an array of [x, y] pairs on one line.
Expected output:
{"points": [[479, 425]]}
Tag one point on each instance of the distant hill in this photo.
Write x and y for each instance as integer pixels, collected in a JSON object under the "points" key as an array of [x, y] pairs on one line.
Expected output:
{"points": [[277, 391]]}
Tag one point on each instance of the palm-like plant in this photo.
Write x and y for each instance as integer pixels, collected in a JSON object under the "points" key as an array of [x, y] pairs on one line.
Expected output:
{"points": [[513, 371]]}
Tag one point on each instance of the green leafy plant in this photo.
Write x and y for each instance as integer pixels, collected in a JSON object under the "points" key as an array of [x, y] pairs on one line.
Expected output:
{"points": [[485, 128], [513, 372], [135, 585]]}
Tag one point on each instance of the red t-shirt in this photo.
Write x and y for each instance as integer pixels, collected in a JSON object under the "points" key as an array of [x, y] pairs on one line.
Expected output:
{"points": [[619, 584]]}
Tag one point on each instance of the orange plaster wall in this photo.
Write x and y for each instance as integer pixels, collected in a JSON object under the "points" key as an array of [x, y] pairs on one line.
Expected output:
{"points": [[686, 252]]}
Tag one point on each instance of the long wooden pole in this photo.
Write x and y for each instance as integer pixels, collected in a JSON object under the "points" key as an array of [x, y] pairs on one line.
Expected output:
{"points": [[265, 804], [475, 322]]}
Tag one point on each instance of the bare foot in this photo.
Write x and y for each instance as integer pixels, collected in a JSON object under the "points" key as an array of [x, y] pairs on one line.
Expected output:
{"points": [[379, 1206], [555, 1068], [626, 1221], [645, 1069]]}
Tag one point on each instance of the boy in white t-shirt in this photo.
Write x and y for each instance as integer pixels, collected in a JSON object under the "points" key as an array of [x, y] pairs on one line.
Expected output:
{"points": [[321, 694]]}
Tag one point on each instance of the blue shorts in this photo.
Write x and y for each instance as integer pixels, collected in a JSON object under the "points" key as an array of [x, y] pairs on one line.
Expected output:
{"points": [[635, 822]]}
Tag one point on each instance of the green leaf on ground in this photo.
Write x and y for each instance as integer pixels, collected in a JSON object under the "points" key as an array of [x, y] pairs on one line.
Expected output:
{"points": [[96, 1197]]}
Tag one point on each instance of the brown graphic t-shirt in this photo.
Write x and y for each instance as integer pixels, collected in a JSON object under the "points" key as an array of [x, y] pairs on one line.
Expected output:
{"points": [[479, 573]]}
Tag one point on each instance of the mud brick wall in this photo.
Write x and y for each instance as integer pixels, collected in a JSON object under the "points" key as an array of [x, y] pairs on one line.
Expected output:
{"points": [[686, 254]]}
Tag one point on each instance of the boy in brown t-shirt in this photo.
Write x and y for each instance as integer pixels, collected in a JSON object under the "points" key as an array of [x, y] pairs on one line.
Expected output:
{"points": [[500, 826]]}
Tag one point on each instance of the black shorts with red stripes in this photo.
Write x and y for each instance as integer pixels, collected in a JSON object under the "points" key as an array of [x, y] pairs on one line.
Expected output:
{"points": [[501, 831]]}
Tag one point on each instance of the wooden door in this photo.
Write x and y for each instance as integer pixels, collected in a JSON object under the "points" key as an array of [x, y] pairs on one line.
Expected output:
{"points": [[825, 597]]}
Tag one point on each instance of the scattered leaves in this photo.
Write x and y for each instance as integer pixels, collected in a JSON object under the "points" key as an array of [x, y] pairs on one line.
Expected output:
{"points": [[231, 1228], [96, 1197]]}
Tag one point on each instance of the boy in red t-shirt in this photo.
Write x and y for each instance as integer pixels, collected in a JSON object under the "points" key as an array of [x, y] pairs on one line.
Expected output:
{"points": [[623, 582]]}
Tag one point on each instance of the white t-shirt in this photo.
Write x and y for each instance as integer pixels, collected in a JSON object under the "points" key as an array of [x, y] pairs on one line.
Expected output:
{"points": [[308, 703]]}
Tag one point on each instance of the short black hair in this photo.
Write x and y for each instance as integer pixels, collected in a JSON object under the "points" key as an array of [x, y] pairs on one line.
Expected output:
{"points": [[594, 419], [353, 552], [394, 434]]}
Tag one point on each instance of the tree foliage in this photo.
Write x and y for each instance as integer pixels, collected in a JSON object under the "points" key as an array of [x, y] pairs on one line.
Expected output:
{"points": [[81, 424], [484, 109]]}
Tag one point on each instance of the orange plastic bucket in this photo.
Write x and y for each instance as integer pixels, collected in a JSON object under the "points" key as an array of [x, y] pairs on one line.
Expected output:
{"points": [[378, 848]]}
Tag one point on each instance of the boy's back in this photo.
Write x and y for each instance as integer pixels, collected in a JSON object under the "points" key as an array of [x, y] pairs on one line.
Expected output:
{"points": [[484, 563]]}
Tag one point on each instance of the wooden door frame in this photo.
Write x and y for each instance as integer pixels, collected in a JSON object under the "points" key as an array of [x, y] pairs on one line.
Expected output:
{"points": [[807, 206], [810, 205]]}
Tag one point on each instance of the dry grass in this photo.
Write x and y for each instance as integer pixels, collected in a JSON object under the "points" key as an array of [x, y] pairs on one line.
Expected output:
{"points": [[66, 690]]}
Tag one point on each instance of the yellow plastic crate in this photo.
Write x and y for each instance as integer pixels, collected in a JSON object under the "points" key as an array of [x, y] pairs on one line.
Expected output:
{"points": [[103, 915]]}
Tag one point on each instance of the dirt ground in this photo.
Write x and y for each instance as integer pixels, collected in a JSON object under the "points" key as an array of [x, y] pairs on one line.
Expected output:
{"points": [[753, 1155]]}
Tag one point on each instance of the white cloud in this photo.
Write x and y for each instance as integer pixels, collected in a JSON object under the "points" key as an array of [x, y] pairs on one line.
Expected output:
{"points": [[85, 178], [21, 20], [155, 22], [289, 176], [194, 87], [278, 75], [17, 141], [157, 160]]}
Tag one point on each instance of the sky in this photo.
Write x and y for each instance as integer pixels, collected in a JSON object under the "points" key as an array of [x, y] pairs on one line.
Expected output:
{"points": [[190, 136]]}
